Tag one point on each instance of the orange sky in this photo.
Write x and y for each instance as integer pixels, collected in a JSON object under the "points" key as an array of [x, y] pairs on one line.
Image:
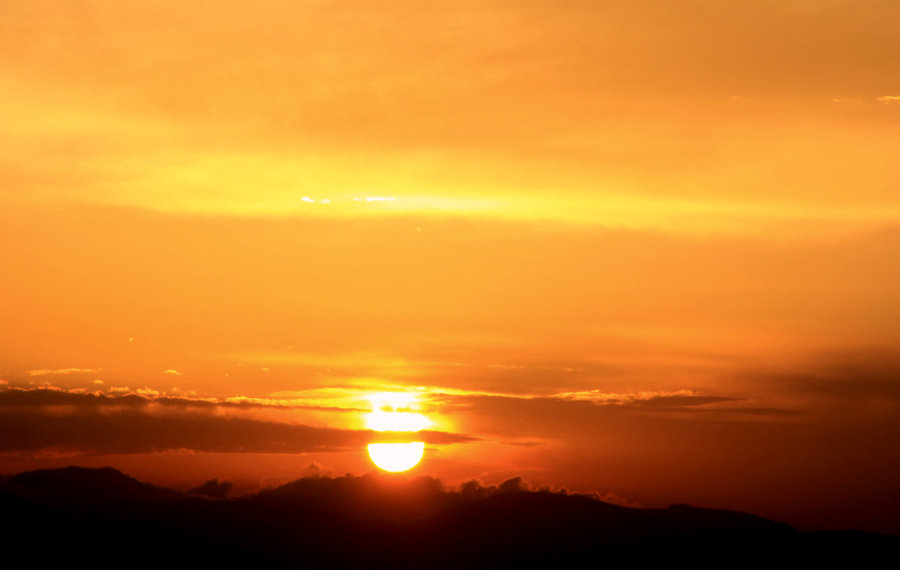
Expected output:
{"points": [[645, 248]]}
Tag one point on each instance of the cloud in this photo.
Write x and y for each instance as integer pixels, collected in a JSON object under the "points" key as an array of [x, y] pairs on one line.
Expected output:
{"points": [[55, 371], [173, 372], [475, 489], [213, 488], [373, 492], [374, 495], [55, 421], [857, 385], [816, 391], [525, 444], [649, 399], [572, 413], [120, 396], [889, 99], [614, 498], [682, 400]]}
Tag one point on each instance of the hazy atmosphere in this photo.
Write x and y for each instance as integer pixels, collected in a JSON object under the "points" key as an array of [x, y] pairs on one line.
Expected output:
{"points": [[643, 249]]}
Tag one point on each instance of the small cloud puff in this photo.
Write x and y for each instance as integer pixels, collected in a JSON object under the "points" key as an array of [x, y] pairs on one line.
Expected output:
{"points": [[213, 488]]}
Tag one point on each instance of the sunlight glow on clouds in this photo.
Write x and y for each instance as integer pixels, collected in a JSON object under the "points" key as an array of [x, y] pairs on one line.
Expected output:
{"points": [[392, 411]]}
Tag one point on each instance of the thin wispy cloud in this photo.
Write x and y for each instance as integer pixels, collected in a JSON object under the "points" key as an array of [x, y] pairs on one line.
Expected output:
{"points": [[61, 371]]}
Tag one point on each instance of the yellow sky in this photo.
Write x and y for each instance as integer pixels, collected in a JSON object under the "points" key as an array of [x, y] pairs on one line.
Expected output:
{"points": [[685, 116]]}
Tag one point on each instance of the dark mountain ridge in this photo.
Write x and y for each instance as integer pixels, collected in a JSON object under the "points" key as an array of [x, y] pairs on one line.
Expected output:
{"points": [[106, 518]]}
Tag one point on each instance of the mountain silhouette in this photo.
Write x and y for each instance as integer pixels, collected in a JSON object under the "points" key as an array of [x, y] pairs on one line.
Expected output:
{"points": [[106, 518], [80, 484]]}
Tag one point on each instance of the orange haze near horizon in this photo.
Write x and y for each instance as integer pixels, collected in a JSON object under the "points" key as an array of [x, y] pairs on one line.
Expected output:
{"points": [[643, 248]]}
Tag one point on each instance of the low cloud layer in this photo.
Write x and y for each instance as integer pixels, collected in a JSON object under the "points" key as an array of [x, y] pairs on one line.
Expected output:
{"points": [[54, 421]]}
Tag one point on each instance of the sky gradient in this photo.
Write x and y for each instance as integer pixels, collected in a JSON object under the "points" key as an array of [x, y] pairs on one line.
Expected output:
{"points": [[643, 248]]}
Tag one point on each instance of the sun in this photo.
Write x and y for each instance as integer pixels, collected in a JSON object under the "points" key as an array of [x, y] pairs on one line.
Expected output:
{"points": [[396, 457], [396, 412]]}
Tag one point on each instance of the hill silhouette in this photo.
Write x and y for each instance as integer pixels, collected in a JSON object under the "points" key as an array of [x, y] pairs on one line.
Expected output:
{"points": [[106, 518]]}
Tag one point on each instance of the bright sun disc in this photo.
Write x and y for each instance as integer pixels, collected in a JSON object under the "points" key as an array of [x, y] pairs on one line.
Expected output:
{"points": [[396, 457]]}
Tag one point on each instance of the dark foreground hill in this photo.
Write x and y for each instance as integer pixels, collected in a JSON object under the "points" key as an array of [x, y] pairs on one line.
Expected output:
{"points": [[107, 519]]}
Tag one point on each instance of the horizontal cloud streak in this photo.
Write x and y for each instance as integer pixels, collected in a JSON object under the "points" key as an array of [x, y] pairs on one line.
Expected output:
{"points": [[51, 421], [55, 371], [125, 397]]}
